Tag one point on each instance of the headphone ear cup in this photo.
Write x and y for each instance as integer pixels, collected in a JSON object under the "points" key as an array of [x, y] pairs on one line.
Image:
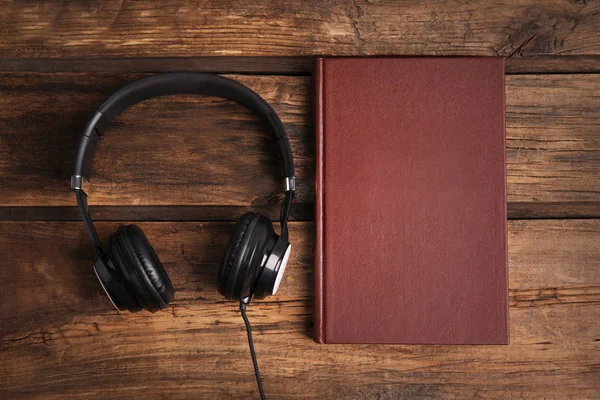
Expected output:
{"points": [[128, 275], [142, 268], [110, 277], [251, 240], [231, 261]]}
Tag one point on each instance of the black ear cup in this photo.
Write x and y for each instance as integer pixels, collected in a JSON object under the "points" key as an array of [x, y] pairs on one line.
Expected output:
{"points": [[249, 245], [111, 280], [141, 270]]}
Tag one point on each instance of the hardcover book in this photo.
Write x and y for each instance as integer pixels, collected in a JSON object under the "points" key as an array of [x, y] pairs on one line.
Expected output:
{"points": [[411, 239]]}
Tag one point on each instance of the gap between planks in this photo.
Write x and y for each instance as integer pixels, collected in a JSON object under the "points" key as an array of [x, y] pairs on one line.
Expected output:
{"points": [[292, 65], [300, 212]]}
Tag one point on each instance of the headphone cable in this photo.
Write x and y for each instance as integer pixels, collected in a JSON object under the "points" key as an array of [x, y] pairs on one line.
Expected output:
{"points": [[252, 353]]}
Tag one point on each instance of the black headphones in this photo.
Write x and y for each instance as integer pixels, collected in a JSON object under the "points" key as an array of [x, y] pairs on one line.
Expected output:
{"points": [[129, 270]]}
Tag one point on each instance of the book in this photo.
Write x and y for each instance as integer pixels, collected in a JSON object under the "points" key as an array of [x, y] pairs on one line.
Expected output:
{"points": [[410, 208]]}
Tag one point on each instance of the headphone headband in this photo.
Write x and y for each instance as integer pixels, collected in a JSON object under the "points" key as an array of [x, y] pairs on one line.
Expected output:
{"points": [[171, 84]]}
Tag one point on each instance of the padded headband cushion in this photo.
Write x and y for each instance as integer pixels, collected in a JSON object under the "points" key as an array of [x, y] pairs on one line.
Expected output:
{"points": [[188, 83], [172, 84], [198, 83], [144, 258]]}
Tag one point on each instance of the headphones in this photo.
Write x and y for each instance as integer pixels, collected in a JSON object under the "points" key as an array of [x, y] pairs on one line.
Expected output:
{"points": [[129, 270]]}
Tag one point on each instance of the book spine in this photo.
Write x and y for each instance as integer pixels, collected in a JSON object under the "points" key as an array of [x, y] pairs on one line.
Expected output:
{"points": [[505, 200], [319, 333]]}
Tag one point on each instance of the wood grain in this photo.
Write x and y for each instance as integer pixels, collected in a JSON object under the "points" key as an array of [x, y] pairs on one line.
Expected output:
{"points": [[196, 151], [115, 28], [203, 159], [553, 141], [219, 64], [64, 340]]}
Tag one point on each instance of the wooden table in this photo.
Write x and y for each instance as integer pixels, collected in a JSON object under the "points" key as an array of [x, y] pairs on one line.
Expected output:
{"points": [[59, 336]]}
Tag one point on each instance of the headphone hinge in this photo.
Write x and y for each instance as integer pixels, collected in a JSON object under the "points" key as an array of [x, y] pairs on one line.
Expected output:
{"points": [[289, 184]]}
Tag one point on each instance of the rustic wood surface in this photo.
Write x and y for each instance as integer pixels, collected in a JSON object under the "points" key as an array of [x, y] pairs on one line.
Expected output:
{"points": [[64, 339], [553, 146], [184, 168], [117, 28]]}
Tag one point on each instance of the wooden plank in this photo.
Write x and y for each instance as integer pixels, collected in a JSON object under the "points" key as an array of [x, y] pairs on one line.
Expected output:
{"points": [[292, 28], [553, 146], [217, 64], [212, 149], [283, 65], [196, 151], [64, 340]]}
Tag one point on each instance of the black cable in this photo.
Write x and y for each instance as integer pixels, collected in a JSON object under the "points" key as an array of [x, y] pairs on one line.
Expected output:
{"points": [[286, 206], [254, 362]]}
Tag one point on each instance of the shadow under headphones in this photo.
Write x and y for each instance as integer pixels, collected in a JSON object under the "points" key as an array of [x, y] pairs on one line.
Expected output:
{"points": [[129, 270]]}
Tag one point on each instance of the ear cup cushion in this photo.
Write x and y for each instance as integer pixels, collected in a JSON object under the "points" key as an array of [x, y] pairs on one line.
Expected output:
{"points": [[256, 250], [230, 263], [134, 284], [148, 265]]}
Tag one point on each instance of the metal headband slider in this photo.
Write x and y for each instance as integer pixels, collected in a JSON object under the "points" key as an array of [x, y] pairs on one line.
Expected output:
{"points": [[290, 183], [79, 182]]}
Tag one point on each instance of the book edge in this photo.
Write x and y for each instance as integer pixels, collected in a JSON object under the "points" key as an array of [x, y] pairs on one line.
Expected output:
{"points": [[506, 339], [319, 330]]}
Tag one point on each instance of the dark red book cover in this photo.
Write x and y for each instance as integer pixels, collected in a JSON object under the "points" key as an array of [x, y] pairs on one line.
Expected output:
{"points": [[411, 240]]}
